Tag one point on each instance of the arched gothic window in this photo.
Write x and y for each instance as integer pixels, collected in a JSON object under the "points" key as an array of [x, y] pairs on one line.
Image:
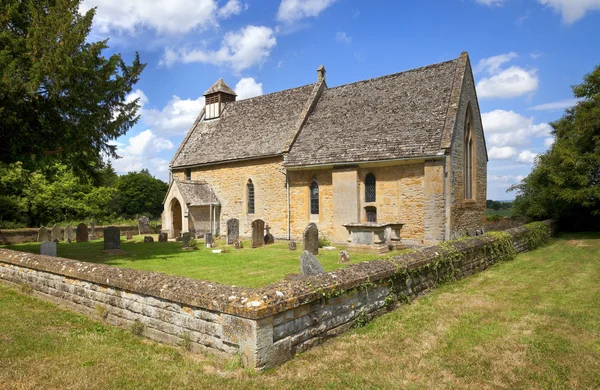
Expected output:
{"points": [[370, 185], [469, 155], [314, 197], [250, 190]]}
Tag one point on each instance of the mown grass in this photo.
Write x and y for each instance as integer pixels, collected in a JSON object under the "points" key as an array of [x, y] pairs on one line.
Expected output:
{"points": [[532, 323], [245, 267], [502, 213]]}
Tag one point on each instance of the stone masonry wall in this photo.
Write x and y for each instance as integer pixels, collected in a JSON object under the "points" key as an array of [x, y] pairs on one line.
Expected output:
{"points": [[266, 326]]}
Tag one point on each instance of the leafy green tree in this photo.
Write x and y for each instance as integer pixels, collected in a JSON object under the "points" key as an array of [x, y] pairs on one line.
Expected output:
{"points": [[141, 193], [60, 99], [565, 181]]}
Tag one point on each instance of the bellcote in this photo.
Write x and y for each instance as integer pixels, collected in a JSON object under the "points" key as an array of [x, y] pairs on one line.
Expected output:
{"points": [[216, 97]]}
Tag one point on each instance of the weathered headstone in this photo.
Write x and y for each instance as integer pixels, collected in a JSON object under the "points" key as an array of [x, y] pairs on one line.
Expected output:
{"points": [[144, 225], [129, 235], [56, 231], [208, 240], [309, 265], [269, 239], [292, 245], [185, 239], [233, 230], [48, 248], [237, 244], [311, 239], [81, 233], [112, 238], [68, 233], [258, 233], [42, 235], [92, 235], [163, 237], [148, 239], [344, 256]]}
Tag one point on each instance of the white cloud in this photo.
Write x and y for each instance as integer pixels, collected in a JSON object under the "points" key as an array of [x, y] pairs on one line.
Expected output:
{"points": [[535, 55], [572, 10], [294, 10], [343, 37], [138, 93], [247, 87], [247, 47], [507, 128], [175, 118], [164, 16], [505, 83], [145, 142], [526, 157], [503, 178], [501, 153], [490, 3], [548, 142], [141, 152], [561, 105]]}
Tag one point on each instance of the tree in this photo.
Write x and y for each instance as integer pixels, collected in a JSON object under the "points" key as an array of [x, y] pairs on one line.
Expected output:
{"points": [[141, 193], [565, 181], [60, 99]]}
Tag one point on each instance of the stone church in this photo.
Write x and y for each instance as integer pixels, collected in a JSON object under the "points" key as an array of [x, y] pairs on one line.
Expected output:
{"points": [[407, 147]]}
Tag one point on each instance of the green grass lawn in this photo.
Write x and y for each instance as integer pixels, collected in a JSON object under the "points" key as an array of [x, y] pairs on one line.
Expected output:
{"points": [[532, 323], [502, 213], [245, 267]]}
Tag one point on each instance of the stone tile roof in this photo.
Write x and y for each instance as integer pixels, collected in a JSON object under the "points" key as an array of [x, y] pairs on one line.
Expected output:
{"points": [[197, 193], [220, 86], [251, 128], [396, 116]]}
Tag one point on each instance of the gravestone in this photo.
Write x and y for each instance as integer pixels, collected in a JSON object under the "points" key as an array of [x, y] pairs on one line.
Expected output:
{"points": [[68, 233], [92, 236], [208, 240], [311, 239], [269, 239], [185, 239], [237, 244], [129, 235], [112, 238], [163, 237], [48, 248], [144, 225], [309, 265], [233, 231], [292, 245], [258, 233], [148, 239], [56, 231], [81, 233], [42, 235], [344, 256]]}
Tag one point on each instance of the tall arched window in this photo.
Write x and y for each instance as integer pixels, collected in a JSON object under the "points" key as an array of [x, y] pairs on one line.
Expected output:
{"points": [[314, 197], [370, 185], [469, 153], [250, 190]]}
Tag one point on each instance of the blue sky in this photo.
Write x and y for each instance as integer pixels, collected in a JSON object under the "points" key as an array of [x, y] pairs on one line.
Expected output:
{"points": [[525, 53]]}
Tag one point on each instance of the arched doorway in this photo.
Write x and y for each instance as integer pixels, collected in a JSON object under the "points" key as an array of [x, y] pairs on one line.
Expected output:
{"points": [[176, 218]]}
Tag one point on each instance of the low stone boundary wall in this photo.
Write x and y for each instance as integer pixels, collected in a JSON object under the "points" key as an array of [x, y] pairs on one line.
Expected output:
{"points": [[266, 326], [19, 236]]}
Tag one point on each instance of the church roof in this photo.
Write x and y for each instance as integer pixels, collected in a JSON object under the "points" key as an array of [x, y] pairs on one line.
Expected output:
{"points": [[250, 128], [404, 115], [397, 116], [196, 193], [220, 86]]}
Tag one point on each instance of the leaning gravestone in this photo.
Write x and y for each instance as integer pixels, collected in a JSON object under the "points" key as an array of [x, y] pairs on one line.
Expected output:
{"points": [[48, 248], [309, 265], [311, 239], [81, 233], [42, 235], [92, 235], [269, 239], [258, 233], [185, 239], [144, 225], [163, 237], [233, 230], [112, 238], [56, 230], [148, 239], [129, 235], [68, 233]]}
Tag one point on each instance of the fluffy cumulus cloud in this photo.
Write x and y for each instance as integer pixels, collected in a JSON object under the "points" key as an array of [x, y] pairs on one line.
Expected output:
{"points": [[561, 105], [572, 10], [505, 82], [293, 10], [548, 142], [163, 16], [247, 87], [526, 157], [507, 128], [239, 50], [141, 152], [502, 152], [175, 118]]}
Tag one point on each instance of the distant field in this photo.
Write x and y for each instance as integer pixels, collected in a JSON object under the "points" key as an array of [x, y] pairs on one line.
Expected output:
{"points": [[532, 323], [502, 213]]}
